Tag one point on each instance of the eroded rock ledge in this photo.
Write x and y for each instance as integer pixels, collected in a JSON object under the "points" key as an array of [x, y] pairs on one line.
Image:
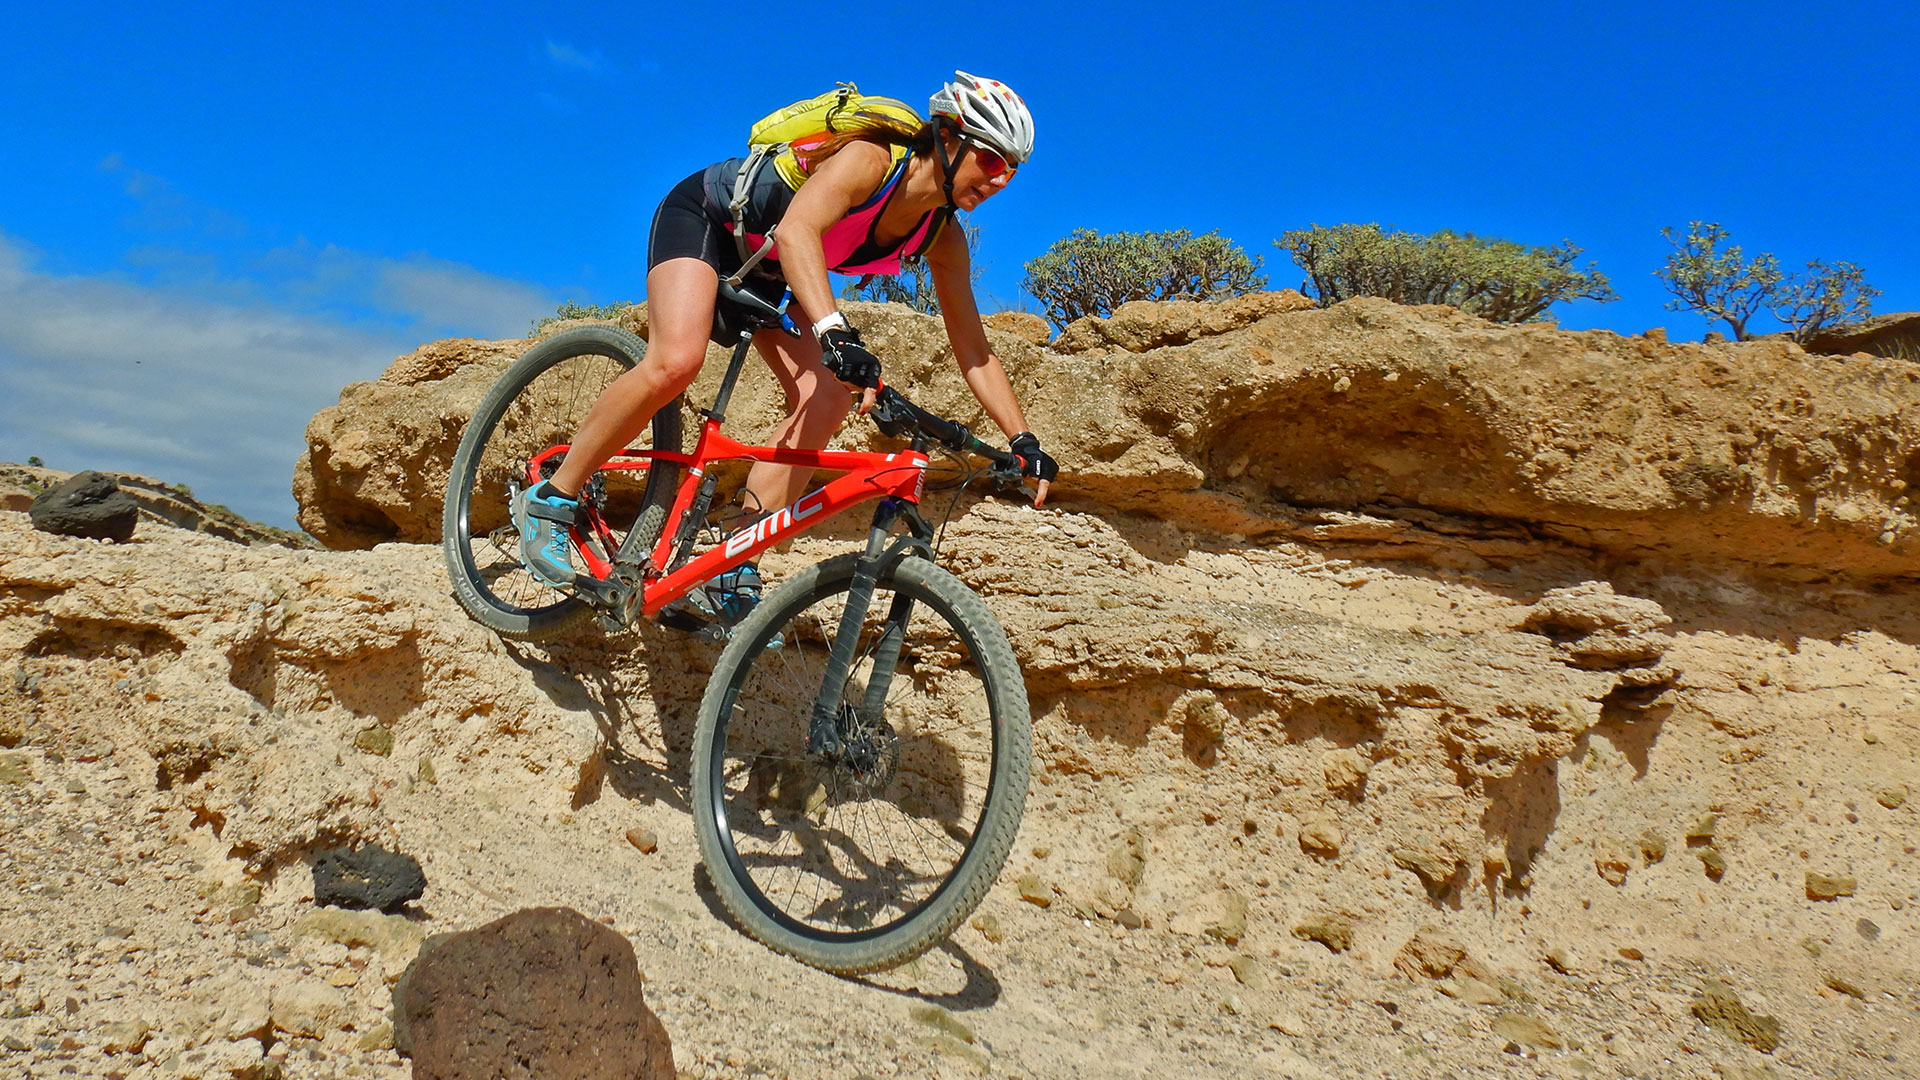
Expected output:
{"points": [[1408, 428]]}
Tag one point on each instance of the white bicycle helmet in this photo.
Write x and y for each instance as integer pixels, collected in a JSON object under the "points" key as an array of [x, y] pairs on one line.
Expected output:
{"points": [[986, 110]]}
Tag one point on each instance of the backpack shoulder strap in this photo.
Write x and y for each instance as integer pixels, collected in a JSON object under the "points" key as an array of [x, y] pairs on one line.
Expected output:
{"points": [[742, 194]]}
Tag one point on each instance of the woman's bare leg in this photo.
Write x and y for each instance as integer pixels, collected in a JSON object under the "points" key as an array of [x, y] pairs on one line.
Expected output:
{"points": [[817, 404], [680, 299]]}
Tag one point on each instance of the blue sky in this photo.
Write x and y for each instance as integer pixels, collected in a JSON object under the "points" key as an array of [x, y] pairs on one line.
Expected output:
{"points": [[214, 216]]}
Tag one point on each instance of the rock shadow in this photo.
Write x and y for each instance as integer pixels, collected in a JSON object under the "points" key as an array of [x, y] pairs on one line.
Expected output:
{"points": [[383, 685], [1151, 538], [82, 638], [1346, 440], [1342, 720], [1522, 813], [1632, 730], [1126, 716]]}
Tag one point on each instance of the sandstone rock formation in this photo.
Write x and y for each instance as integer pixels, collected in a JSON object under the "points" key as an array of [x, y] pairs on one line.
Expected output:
{"points": [[1386, 748]]}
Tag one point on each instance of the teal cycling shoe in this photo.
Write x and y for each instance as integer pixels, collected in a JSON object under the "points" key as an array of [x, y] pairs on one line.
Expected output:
{"points": [[543, 516]]}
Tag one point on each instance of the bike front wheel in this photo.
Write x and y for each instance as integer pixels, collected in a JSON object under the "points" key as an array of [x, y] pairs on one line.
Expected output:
{"points": [[537, 404], [866, 858]]}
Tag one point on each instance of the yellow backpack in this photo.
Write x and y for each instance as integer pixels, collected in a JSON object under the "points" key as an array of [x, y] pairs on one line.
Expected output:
{"points": [[807, 123], [785, 135]]}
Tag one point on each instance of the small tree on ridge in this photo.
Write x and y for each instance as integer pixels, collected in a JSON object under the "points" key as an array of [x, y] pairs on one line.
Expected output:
{"points": [[1495, 279], [1720, 283]]}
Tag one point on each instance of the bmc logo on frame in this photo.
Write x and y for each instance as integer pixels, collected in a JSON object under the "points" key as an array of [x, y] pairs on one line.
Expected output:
{"points": [[784, 518]]}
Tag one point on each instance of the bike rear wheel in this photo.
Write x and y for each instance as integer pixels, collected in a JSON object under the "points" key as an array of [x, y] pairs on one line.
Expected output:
{"points": [[536, 404], [862, 864]]}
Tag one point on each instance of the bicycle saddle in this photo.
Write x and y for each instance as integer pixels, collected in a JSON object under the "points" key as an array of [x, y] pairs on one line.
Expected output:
{"points": [[740, 310]]}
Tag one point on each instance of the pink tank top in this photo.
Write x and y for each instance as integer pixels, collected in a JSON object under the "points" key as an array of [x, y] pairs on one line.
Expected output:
{"points": [[844, 241]]}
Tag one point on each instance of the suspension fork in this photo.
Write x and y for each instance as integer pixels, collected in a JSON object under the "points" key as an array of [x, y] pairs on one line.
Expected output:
{"points": [[827, 733]]}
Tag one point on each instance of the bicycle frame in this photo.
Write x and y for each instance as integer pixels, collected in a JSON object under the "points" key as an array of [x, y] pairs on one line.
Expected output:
{"points": [[898, 475], [899, 478]]}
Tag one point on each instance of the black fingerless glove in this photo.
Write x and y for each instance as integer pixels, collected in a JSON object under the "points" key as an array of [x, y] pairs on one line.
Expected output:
{"points": [[850, 362], [1034, 461]]}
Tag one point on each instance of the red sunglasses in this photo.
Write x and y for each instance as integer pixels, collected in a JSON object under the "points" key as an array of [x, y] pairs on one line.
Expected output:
{"points": [[992, 162]]}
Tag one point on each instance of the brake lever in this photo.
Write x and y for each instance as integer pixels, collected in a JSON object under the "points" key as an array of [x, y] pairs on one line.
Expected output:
{"points": [[1005, 476], [886, 415]]}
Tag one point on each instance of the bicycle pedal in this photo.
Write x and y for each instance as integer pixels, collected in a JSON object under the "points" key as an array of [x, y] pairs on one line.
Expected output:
{"points": [[678, 618]]}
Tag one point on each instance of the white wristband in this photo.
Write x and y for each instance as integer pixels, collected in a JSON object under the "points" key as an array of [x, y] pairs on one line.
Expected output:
{"points": [[833, 321]]}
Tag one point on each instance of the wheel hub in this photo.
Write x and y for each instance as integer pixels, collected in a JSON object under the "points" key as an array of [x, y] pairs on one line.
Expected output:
{"points": [[869, 755]]}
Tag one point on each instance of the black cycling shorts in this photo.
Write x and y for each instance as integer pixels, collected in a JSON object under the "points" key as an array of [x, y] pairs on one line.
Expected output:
{"points": [[684, 229]]}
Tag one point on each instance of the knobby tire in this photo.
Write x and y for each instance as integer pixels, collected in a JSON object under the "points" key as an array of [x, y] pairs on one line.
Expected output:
{"points": [[846, 870]]}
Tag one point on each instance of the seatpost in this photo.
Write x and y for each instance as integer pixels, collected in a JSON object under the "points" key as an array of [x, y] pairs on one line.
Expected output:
{"points": [[739, 359]]}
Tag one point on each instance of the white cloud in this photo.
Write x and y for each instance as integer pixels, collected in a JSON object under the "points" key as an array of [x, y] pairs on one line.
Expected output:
{"points": [[567, 56], [441, 293], [200, 359], [424, 296], [99, 372], [160, 207]]}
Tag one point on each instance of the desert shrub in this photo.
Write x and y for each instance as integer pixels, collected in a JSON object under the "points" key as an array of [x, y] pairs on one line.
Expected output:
{"points": [[1494, 279], [1090, 273], [913, 286], [1825, 296], [35, 461], [570, 310], [1901, 350], [1722, 284]]}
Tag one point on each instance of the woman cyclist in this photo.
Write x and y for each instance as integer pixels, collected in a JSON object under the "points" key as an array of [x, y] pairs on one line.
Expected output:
{"points": [[865, 200]]}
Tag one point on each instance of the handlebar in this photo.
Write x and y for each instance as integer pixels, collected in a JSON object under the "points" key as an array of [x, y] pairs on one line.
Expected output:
{"points": [[902, 419]]}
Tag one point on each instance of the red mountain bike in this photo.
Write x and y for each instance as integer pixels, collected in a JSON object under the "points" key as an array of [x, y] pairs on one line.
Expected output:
{"points": [[860, 761]]}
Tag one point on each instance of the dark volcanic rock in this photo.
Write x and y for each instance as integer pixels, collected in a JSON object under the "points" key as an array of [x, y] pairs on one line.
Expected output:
{"points": [[543, 992], [371, 877], [87, 504]]}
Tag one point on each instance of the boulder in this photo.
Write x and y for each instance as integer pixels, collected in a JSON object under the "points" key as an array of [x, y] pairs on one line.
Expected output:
{"points": [[1024, 325], [88, 504], [307, 1009], [543, 992]]}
